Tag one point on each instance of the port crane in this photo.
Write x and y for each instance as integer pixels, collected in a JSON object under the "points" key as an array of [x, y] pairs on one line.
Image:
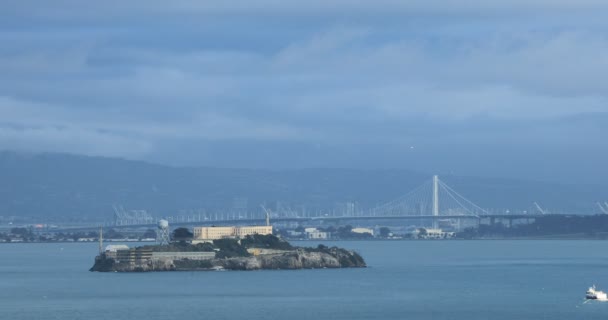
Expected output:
{"points": [[602, 208], [539, 208]]}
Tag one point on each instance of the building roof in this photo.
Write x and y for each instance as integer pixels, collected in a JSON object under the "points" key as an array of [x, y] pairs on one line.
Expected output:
{"points": [[116, 247]]}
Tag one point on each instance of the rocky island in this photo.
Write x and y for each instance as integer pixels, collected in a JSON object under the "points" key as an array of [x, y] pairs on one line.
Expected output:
{"points": [[254, 252]]}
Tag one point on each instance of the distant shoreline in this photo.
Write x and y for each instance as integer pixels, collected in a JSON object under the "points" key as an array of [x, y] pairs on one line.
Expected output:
{"points": [[554, 237]]}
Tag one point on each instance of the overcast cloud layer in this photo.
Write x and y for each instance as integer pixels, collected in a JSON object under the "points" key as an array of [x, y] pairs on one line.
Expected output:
{"points": [[500, 88]]}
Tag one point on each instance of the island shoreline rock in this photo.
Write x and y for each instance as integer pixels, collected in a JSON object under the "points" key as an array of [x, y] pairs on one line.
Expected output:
{"points": [[297, 258]]}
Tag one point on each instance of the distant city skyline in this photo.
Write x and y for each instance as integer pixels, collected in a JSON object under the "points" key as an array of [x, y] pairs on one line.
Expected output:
{"points": [[502, 89]]}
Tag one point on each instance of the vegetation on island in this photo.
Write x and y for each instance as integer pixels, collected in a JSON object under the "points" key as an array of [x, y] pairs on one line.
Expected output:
{"points": [[182, 234], [225, 248], [186, 264], [181, 247], [230, 248], [266, 242]]}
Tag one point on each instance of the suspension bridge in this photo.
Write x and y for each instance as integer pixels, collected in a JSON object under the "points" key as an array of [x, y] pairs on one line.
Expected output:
{"points": [[433, 201]]}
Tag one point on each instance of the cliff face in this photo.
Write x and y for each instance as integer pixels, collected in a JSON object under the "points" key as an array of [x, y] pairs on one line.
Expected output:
{"points": [[293, 259]]}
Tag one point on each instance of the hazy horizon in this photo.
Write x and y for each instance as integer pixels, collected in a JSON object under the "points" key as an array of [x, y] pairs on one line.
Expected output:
{"points": [[427, 174]]}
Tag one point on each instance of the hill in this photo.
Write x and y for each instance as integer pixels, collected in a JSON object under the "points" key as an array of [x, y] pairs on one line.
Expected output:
{"points": [[70, 187]]}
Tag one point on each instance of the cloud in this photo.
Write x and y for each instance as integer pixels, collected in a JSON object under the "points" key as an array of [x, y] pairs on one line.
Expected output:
{"points": [[71, 140], [64, 9], [135, 78], [36, 127]]}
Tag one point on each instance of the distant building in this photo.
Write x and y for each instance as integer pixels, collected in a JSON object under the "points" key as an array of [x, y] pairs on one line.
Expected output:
{"points": [[215, 233], [363, 230], [124, 254], [116, 247], [133, 255], [318, 235], [314, 233], [183, 255], [430, 233], [112, 249]]}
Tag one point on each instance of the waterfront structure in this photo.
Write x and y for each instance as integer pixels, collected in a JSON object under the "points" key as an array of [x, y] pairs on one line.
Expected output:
{"points": [[318, 235], [234, 232], [314, 233], [432, 233], [363, 230]]}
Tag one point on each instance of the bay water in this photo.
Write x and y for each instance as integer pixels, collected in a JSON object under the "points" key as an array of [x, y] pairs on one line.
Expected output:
{"points": [[504, 279]]}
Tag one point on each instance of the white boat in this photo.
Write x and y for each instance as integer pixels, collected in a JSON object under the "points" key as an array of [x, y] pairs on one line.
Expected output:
{"points": [[594, 294]]}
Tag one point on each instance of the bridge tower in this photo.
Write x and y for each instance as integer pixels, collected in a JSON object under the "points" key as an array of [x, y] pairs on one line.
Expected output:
{"points": [[435, 201]]}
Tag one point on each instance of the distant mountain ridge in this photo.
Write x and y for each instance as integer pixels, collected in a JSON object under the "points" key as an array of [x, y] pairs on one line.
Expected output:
{"points": [[81, 187]]}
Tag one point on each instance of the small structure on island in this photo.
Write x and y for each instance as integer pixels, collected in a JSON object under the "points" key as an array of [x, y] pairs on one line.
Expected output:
{"points": [[163, 232], [112, 249], [204, 234], [207, 234]]}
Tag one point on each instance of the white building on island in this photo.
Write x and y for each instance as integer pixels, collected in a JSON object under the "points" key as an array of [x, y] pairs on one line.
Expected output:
{"points": [[202, 234]]}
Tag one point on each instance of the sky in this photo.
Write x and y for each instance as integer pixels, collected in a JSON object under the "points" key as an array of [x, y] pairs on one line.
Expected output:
{"points": [[486, 88]]}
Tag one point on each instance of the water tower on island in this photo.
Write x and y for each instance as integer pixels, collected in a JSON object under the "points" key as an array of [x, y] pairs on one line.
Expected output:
{"points": [[162, 235]]}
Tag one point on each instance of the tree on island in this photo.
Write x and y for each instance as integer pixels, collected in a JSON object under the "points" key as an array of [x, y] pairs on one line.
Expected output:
{"points": [[229, 248], [182, 235], [268, 241]]}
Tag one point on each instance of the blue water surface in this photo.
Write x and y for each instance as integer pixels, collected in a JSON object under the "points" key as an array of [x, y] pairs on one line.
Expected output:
{"points": [[405, 280]]}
